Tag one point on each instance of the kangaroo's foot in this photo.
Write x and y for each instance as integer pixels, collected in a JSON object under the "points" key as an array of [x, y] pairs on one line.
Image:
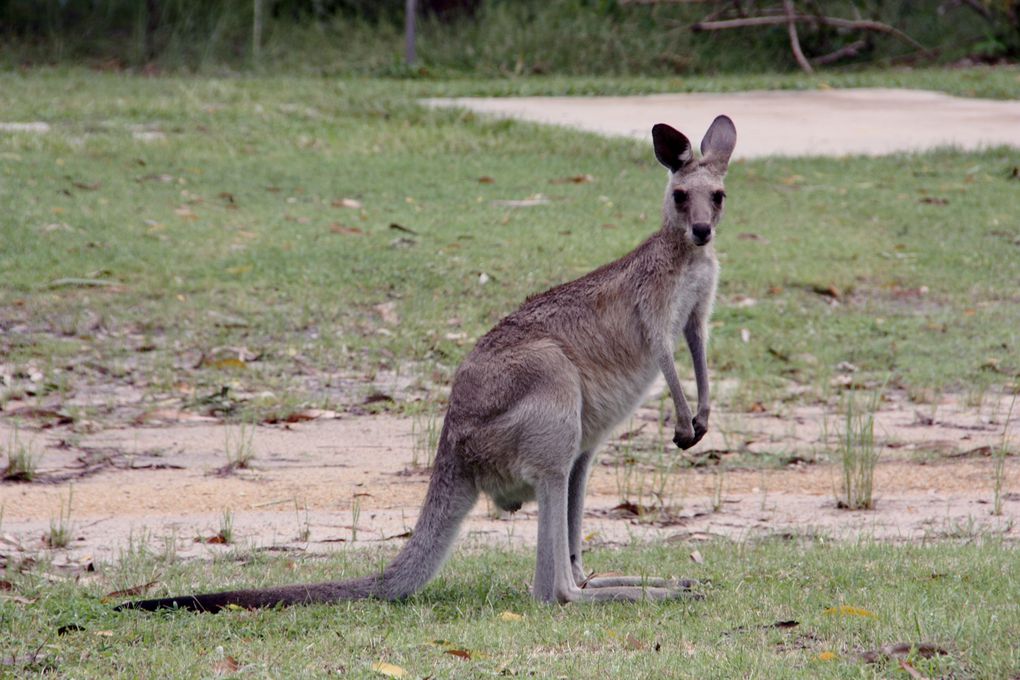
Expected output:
{"points": [[594, 581], [629, 593]]}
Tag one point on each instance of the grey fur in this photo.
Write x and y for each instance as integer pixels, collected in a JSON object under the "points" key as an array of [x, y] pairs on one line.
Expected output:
{"points": [[544, 388]]}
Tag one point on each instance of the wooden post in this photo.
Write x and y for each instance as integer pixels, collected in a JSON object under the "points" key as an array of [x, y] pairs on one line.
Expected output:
{"points": [[410, 30], [152, 17], [256, 30]]}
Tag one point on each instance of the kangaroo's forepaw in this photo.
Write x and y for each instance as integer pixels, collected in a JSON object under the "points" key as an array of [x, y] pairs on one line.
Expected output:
{"points": [[688, 437], [700, 427], [684, 439]]}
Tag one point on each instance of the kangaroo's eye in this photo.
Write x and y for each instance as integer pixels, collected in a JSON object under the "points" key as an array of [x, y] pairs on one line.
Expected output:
{"points": [[679, 197], [717, 198]]}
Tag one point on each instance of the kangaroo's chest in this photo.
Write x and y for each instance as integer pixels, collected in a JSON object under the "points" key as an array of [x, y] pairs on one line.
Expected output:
{"points": [[617, 388], [693, 289]]}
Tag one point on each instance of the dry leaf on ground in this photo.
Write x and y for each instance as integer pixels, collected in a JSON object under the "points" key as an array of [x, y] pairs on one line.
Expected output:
{"points": [[388, 312], [574, 179], [535, 200], [389, 670], [352, 203], [338, 228], [400, 227], [632, 642], [902, 650], [219, 539], [226, 666], [847, 610], [134, 590], [911, 671]]}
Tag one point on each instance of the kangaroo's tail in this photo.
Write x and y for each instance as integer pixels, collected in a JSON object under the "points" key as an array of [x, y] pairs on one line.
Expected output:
{"points": [[451, 495]]}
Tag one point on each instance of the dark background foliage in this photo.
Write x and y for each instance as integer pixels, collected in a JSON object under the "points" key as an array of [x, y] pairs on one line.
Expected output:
{"points": [[490, 37]]}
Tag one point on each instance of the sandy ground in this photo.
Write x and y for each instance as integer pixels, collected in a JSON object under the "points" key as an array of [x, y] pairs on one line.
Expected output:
{"points": [[824, 122], [349, 480]]}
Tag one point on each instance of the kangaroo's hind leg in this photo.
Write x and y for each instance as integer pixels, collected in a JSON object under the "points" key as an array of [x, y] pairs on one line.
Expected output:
{"points": [[575, 513], [550, 445], [554, 579]]}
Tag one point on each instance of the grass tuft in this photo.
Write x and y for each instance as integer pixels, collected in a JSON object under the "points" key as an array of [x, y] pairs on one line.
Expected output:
{"points": [[858, 455], [304, 523], [999, 468], [61, 529], [426, 425], [239, 448], [21, 460], [226, 532]]}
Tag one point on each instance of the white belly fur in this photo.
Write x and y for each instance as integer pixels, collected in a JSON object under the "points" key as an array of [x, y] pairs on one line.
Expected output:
{"points": [[613, 403]]}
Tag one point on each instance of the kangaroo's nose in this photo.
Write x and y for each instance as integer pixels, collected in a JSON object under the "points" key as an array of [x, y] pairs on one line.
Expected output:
{"points": [[702, 232]]}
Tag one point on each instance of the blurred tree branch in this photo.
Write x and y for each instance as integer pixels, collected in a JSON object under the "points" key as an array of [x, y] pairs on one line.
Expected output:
{"points": [[789, 15]]}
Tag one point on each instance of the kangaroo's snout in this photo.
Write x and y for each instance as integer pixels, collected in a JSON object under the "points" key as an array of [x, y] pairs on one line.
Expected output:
{"points": [[702, 232]]}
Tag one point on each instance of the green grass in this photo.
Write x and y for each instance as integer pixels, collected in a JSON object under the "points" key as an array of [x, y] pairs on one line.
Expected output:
{"points": [[22, 460], [222, 240], [960, 597]]}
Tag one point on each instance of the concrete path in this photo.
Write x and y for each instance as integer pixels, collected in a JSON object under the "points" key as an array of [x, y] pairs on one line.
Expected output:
{"points": [[789, 123]]}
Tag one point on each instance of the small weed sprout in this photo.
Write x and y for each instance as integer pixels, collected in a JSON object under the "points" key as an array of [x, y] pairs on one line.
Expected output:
{"points": [[719, 480], [21, 460], [169, 554], [304, 524], [664, 479], [729, 426], [975, 397], [999, 470], [240, 450], [511, 530], [61, 528], [424, 436], [135, 551], [355, 517], [858, 455], [626, 469], [226, 533]]}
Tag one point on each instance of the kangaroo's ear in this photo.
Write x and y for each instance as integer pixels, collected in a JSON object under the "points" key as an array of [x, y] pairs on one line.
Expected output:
{"points": [[718, 143], [672, 148]]}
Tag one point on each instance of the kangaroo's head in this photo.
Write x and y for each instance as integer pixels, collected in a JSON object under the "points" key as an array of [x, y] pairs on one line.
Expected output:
{"points": [[695, 194]]}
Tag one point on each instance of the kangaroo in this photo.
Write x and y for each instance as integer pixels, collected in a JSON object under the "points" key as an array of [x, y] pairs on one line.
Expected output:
{"points": [[542, 390]]}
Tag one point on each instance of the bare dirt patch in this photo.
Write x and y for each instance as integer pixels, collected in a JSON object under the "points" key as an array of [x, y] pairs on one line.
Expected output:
{"points": [[836, 122], [348, 480]]}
